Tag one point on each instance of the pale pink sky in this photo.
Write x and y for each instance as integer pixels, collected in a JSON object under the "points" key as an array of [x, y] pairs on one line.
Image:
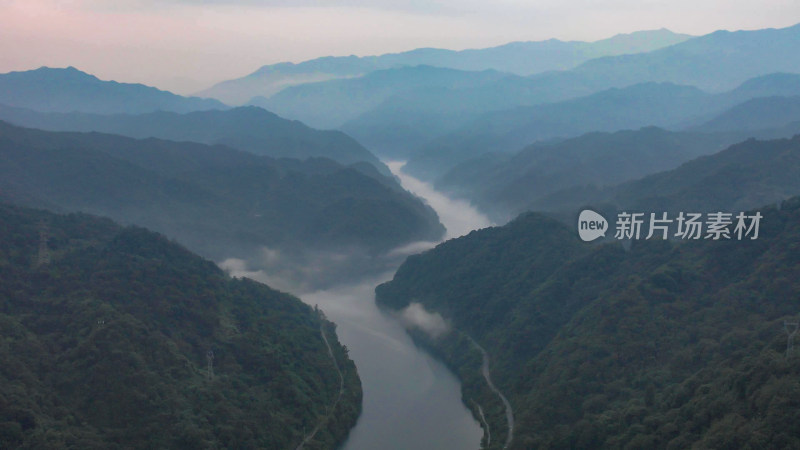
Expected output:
{"points": [[186, 45]]}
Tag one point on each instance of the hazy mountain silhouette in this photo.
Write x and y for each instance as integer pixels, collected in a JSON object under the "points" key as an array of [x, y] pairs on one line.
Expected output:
{"points": [[740, 177], [403, 123], [657, 104], [748, 173], [521, 58], [758, 113], [215, 200], [504, 185], [567, 174], [331, 103], [67, 90], [715, 62], [247, 128]]}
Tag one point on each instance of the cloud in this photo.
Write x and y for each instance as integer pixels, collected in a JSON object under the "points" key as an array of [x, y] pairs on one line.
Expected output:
{"points": [[415, 316]]}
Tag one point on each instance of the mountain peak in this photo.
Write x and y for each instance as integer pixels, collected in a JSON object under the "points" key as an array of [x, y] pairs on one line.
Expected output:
{"points": [[69, 72]]}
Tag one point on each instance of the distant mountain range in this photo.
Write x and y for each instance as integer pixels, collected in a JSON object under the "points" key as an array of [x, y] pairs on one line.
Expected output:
{"points": [[758, 113], [646, 104], [504, 185], [332, 103], [68, 90], [248, 128], [658, 104], [217, 201], [716, 62], [428, 109], [425, 114], [599, 168], [521, 58], [738, 178]]}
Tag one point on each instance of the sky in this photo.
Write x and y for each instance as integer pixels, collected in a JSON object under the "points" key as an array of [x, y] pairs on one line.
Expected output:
{"points": [[187, 45]]}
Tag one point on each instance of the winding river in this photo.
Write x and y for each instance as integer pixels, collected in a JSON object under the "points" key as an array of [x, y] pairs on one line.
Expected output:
{"points": [[411, 400]]}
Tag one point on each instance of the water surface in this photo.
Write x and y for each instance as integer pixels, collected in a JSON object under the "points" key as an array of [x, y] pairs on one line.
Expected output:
{"points": [[411, 400]]}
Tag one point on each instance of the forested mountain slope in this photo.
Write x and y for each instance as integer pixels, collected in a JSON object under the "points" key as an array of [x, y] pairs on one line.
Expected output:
{"points": [[742, 176], [106, 340], [249, 129], [217, 201], [666, 345]]}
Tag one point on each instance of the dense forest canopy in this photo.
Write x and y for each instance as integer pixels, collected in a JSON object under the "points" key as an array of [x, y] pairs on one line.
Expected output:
{"points": [[118, 338], [218, 201], [665, 345]]}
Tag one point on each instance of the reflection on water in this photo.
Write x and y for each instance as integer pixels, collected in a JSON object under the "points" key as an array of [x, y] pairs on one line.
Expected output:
{"points": [[411, 401]]}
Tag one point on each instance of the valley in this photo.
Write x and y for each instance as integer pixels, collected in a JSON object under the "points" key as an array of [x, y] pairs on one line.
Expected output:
{"points": [[347, 240], [409, 396]]}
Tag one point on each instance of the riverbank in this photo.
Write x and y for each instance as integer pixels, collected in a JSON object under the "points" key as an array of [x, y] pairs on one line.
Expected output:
{"points": [[410, 397]]}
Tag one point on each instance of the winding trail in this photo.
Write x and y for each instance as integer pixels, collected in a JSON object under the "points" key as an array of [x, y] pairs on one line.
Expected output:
{"points": [[327, 416], [488, 376]]}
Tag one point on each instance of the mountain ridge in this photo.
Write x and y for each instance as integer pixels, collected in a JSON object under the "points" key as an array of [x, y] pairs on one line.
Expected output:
{"points": [[661, 104], [218, 201], [69, 89], [660, 345], [554, 54], [715, 63], [250, 129], [116, 337]]}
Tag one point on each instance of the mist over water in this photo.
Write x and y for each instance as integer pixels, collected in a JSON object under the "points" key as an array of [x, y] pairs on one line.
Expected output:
{"points": [[458, 216], [411, 400]]}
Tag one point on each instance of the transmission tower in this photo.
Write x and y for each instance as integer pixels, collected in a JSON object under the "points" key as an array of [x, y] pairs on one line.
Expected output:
{"points": [[210, 359], [791, 329]]}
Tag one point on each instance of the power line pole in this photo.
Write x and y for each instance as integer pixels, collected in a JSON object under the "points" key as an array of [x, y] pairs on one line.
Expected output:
{"points": [[791, 329], [210, 359]]}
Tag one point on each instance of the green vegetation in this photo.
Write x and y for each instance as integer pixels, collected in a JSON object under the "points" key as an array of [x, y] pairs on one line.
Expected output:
{"points": [[602, 169], [106, 345], [665, 345], [249, 129], [506, 185], [743, 176], [218, 201]]}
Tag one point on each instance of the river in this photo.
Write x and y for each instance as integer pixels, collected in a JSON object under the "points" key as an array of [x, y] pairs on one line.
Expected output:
{"points": [[411, 400]]}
